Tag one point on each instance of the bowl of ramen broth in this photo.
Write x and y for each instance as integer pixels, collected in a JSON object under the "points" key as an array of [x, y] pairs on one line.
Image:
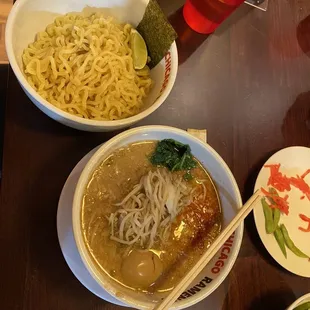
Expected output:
{"points": [[141, 271]]}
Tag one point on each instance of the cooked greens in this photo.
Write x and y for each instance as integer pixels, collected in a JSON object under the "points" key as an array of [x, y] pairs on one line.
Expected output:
{"points": [[174, 155]]}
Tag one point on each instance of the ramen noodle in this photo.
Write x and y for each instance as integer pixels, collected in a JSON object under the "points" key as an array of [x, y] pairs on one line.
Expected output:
{"points": [[145, 226], [84, 66]]}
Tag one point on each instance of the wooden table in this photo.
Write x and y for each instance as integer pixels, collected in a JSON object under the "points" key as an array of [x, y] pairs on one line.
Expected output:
{"points": [[248, 84]]}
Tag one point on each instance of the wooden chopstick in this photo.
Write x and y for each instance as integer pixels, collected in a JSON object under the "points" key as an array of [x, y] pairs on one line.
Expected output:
{"points": [[208, 255]]}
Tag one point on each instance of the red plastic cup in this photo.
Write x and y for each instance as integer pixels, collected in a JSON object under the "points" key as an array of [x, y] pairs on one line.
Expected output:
{"points": [[204, 16]]}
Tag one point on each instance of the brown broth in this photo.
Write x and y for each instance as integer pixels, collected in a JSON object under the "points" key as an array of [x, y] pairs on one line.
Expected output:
{"points": [[193, 230]]}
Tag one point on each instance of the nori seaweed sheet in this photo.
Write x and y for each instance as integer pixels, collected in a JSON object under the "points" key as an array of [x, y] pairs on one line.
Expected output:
{"points": [[157, 32]]}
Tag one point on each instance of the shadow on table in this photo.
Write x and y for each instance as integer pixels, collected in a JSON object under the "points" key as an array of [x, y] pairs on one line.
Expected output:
{"points": [[277, 300], [3, 91], [255, 285], [240, 13], [189, 41], [296, 124], [303, 35]]}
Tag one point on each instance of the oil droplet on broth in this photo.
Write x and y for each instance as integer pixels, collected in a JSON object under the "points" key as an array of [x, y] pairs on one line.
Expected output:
{"points": [[178, 231]]}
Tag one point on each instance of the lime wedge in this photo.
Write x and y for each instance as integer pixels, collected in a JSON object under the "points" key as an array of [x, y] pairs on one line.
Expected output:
{"points": [[139, 50]]}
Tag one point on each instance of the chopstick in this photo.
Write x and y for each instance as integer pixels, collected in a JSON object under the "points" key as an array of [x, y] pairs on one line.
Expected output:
{"points": [[208, 255]]}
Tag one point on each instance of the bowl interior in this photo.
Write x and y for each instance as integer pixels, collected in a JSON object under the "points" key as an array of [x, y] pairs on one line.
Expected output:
{"points": [[28, 17], [219, 267]]}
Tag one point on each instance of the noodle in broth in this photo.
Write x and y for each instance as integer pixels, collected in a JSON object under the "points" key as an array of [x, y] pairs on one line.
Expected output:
{"points": [[132, 209]]}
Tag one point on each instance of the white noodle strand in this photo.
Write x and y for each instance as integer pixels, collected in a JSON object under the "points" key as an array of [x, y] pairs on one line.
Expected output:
{"points": [[146, 213]]}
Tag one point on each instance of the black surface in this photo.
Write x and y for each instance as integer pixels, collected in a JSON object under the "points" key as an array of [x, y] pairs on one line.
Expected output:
{"points": [[3, 90]]}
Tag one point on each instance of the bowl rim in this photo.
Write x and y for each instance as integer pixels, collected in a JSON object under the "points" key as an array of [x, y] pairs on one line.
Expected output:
{"points": [[299, 301], [84, 177], [66, 115]]}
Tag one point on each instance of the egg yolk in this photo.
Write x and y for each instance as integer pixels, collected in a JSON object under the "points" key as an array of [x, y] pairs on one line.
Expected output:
{"points": [[140, 269]]}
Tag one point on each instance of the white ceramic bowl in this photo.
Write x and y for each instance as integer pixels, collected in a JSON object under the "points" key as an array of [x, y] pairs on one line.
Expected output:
{"points": [[28, 17], [217, 270], [303, 299]]}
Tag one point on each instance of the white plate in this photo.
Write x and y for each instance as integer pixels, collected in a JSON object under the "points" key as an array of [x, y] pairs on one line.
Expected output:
{"points": [[293, 160], [72, 257], [299, 301]]}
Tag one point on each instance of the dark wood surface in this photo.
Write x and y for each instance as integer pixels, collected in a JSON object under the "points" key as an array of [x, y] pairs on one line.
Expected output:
{"points": [[3, 87], [248, 85]]}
